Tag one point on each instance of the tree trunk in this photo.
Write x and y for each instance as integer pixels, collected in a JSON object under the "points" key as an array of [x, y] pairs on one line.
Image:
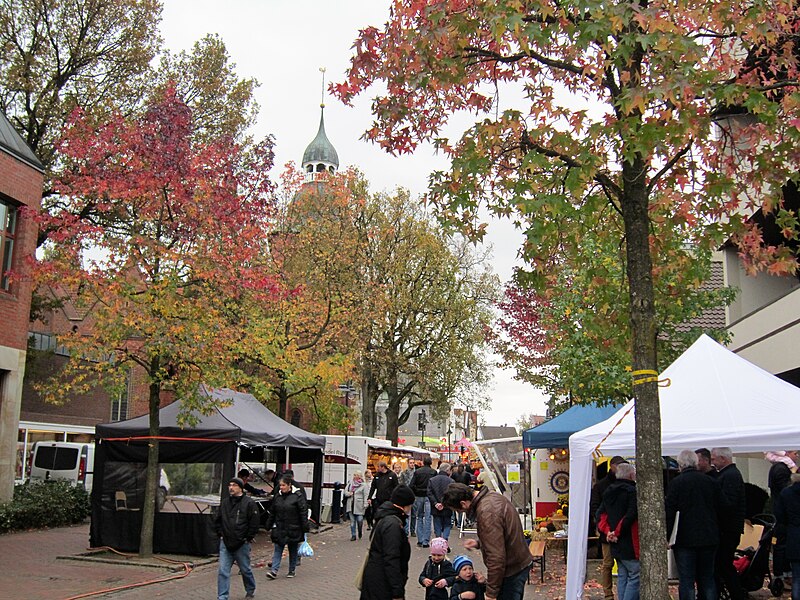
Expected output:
{"points": [[283, 401], [153, 471], [392, 423], [369, 396], [649, 467]]}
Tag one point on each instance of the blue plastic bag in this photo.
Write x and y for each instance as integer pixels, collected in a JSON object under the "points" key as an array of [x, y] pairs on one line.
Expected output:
{"points": [[305, 548]]}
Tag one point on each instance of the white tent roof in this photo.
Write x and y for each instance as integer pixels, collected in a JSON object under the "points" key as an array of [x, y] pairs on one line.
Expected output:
{"points": [[714, 398]]}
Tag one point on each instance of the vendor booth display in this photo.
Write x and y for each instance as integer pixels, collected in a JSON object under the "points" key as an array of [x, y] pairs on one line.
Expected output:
{"points": [[196, 463], [714, 398], [549, 459]]}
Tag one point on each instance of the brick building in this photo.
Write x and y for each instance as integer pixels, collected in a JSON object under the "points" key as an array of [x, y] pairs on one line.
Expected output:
{"points": [[75, 418], [21, 180]]}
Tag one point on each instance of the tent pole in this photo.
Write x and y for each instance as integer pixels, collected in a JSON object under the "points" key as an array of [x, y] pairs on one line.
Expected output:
{"points": [[288, 462], [236, 466]]}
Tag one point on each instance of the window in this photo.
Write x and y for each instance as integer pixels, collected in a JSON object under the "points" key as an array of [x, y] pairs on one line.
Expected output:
{"points": [[296, 417], [8, 228], [119, 405], [56, 458], [47, 342]]}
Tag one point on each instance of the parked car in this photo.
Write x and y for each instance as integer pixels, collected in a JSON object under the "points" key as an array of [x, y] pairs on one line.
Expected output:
{"points": [[70, 461]]}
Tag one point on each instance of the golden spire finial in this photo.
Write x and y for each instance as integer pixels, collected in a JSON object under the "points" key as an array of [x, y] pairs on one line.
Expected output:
{"points": [[322, 95]]}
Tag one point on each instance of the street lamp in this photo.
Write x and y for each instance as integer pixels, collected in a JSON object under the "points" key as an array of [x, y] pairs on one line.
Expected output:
{"points": [[346, 389], [449, 443]]}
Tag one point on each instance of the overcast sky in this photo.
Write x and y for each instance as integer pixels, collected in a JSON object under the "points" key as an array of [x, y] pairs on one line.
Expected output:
{"points": [[283, 44]]}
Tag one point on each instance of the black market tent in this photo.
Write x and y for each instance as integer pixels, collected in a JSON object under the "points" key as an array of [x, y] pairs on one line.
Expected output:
{"points": [[244, 419], [239, 428], [555, 432]]}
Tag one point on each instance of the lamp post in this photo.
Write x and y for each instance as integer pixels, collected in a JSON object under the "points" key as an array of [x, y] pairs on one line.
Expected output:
{"points": [[346, 389], [449, 443]]}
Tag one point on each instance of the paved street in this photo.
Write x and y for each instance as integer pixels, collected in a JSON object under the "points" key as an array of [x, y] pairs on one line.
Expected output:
{"points": [[30, 569]]}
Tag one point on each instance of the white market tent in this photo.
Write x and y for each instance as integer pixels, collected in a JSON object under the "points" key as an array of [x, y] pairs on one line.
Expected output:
{"points": [[715, 398]]}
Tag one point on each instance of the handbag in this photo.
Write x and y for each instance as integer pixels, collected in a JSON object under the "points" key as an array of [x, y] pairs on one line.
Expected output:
{"points": [[358, 580], [305, 549]]}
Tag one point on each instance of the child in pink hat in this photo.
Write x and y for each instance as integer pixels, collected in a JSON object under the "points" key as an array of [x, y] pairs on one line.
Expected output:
{"points": [[438, 573]]}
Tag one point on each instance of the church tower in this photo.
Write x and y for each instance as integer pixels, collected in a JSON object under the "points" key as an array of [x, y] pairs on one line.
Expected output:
{"points": [[320, 155]]}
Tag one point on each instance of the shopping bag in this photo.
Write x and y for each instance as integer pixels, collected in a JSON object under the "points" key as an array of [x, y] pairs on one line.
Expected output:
{"points": [[305, 549], [358, 580]]}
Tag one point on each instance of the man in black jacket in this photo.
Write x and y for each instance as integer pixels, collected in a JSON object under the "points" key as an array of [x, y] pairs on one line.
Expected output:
{"points": [[244, 475], [732, 524], [442, 515], [236, 524], [695, 500], [382, 485], [422, 507], [386, 569], [606, 578]]}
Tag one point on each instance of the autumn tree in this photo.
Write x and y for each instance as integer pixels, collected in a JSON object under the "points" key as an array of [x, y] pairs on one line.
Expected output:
{"points": [[205, 79], [105, 56], [303, 345], [597, 122], [426, 339], [571, 340], [189, 225], [58, 55]]}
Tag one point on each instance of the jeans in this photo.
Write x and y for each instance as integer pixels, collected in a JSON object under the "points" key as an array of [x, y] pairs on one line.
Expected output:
{"points": [[276, 556], [442, 524], [513, 586], [356, 519], [795, 578], [695, 564], [423, 508], [628, 579], [226, 559]]}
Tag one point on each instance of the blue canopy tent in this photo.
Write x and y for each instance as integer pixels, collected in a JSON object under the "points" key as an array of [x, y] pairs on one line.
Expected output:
{"points": [[555, 432]]}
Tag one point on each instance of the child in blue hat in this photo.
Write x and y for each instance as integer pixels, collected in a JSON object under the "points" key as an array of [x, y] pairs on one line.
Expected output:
{"points": [[468, 585]]}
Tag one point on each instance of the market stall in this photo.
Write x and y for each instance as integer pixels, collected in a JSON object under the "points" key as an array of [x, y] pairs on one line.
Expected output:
{"points": [[196, 462], [714, 398], [548, 458]]}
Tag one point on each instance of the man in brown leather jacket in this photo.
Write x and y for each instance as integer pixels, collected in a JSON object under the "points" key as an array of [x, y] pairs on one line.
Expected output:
{"points": [[500, 539]]}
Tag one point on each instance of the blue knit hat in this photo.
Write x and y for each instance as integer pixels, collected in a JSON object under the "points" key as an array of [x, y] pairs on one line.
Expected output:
{"points": [[461, 561]]}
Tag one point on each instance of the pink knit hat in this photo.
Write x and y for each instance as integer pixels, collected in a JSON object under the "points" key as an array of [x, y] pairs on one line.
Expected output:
{"points": [[438, 546]]}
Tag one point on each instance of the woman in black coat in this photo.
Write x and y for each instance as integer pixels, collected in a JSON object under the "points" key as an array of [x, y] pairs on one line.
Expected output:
{"points": [[287, 524], [386, 571], [787, 513]]}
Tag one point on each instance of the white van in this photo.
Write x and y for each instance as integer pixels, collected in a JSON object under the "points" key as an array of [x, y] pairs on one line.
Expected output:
{"points": [[69, 461]]}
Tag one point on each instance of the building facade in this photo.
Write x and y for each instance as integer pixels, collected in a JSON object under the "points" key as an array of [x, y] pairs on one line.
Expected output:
{"points": [[21, 181]]}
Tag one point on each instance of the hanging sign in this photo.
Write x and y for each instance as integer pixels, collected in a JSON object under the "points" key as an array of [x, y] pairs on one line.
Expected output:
{"points": [[512, 473]]}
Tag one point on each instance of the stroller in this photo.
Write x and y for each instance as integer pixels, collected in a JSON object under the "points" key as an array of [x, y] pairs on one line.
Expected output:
{"points": [[752, 563]]}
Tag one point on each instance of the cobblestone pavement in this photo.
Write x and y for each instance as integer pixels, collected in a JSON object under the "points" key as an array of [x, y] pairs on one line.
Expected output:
{"points": [[30, 569]]}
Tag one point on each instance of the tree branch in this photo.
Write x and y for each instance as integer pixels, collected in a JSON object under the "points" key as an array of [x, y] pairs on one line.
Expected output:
{"points": [[680, 154]]}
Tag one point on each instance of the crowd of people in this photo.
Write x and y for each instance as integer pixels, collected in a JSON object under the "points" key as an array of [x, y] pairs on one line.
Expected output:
{"points": [[705, 516], [706, 505], [499, 538]]}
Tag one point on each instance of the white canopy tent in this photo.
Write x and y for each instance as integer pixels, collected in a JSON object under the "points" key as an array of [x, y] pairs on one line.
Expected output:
{"points": [[714, 398]]}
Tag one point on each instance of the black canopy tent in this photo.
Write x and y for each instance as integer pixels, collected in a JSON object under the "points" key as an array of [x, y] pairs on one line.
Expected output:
{"points": [[241, 427]]}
